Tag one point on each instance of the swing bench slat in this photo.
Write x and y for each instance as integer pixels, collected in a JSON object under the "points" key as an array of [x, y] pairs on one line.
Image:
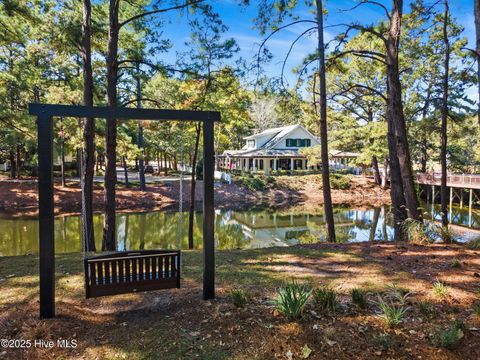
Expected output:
{"points": [[131, 271]]}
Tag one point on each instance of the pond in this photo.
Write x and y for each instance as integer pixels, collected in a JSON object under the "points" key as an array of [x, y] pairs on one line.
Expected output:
{"points": [[234, 229]]}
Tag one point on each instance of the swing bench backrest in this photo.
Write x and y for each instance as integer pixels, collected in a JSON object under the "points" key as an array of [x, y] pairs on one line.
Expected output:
{"points": [[131, 271]]}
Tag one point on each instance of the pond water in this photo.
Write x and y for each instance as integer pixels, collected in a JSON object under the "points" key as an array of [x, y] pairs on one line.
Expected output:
{"points": [[234, 229]]}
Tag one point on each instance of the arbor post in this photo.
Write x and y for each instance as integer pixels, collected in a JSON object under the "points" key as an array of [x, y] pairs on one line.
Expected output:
{"points": [[208, 212], [46, 219]]}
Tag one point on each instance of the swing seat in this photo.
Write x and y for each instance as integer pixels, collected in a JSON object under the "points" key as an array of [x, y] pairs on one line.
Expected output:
{"points": [[131, 271]]}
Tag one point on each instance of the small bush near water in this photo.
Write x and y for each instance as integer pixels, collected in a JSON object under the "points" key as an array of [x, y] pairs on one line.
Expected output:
{"points": [[291, 299], [326, 299], [254, 183], [340, 182], [419, 232], [474, 244]]}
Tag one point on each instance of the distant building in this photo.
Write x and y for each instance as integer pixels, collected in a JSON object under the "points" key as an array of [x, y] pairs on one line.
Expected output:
{"points": [[277, 149]]}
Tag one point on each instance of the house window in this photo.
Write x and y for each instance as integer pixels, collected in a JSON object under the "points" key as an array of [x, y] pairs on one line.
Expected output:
{"points": [[250, 143], [298, 142], [261, 164]]}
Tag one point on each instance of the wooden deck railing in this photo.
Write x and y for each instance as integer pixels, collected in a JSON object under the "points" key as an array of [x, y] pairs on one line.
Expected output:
{"points": [[455, 180]]}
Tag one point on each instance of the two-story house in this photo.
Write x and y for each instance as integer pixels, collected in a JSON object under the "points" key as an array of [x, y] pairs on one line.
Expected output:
{"points": [[272, 149], [279, 149]]}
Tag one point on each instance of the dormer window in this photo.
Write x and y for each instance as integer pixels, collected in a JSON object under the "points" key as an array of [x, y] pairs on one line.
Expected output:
{"points": [[250, 144]]}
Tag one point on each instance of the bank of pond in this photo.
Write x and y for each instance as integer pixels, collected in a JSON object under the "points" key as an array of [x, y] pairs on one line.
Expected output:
{"points": [[258, 228]]}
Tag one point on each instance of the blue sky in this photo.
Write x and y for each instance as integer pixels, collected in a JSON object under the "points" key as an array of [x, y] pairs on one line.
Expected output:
{"points": [[239, 21]]}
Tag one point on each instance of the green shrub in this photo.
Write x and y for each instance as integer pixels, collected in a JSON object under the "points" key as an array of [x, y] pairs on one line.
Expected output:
{"points": [[399, 294], [426, 309], [446, 235], [359, 298], [291, 299], [440, 289], [474, 244], [253, 183], [392, 315], [476, 308], [419, 232], [456, 263], [449, 338], [382, 341], [340, 182], [326, 299], [239, 297]]}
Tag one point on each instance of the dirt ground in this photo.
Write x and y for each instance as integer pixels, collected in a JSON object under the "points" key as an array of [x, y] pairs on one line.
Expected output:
{"points": [[21, 198], [177, 324]]}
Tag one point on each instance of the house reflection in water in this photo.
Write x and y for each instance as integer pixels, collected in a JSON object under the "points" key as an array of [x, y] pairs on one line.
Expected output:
{"points": [[262, 229]]}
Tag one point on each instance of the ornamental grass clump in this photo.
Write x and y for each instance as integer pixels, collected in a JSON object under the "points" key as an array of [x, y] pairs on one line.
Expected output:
{"points": [[359, 298], [325, 299], [291, 299], [449, 338], [392, 315], [239, 297], [440, 289], [419, 232]]}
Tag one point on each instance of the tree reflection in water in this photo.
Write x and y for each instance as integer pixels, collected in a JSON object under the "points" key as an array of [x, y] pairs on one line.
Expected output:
{"points": [[233, 229]]}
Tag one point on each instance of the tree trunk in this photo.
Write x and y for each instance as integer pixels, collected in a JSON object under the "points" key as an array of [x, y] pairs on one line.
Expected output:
{"points": [[143, 228], [13, 165], [108, 242], [165, 169], [396, 113], [141, 165], [18, 160], [384, 224], [444, 116], [88, 158], [158, 162], [373, 228], [396, 184], [424, 142], [62, 160], [476, 11], [192, 188], [79, 163], [376, 171], [385, 173], [327, 197], [125, 171]]}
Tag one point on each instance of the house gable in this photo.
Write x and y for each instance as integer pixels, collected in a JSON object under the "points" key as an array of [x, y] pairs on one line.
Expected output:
{"points": [[289, 140]]}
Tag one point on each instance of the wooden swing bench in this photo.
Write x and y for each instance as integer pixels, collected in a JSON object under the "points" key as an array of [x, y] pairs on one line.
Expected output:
{"points": [[131, 271]]}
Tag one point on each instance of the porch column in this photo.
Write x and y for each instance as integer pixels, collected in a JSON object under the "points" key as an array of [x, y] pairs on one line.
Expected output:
{"points": [[275, 164], [291, 164], [266, 166], [254, 162]]}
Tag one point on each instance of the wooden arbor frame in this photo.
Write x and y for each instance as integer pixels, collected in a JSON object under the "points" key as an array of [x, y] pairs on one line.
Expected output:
{"points": [[45, 114]]}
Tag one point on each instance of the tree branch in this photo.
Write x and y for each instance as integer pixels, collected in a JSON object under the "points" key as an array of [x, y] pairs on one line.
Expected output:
{"points": [[291, 48], [148, 13], [363, 2]]}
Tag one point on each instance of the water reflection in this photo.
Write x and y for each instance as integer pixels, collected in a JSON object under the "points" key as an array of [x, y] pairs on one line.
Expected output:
{"points": [[233, 229]]}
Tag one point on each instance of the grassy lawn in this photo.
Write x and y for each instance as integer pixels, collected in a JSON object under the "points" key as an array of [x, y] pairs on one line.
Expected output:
{"points": [[177, 324]]}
